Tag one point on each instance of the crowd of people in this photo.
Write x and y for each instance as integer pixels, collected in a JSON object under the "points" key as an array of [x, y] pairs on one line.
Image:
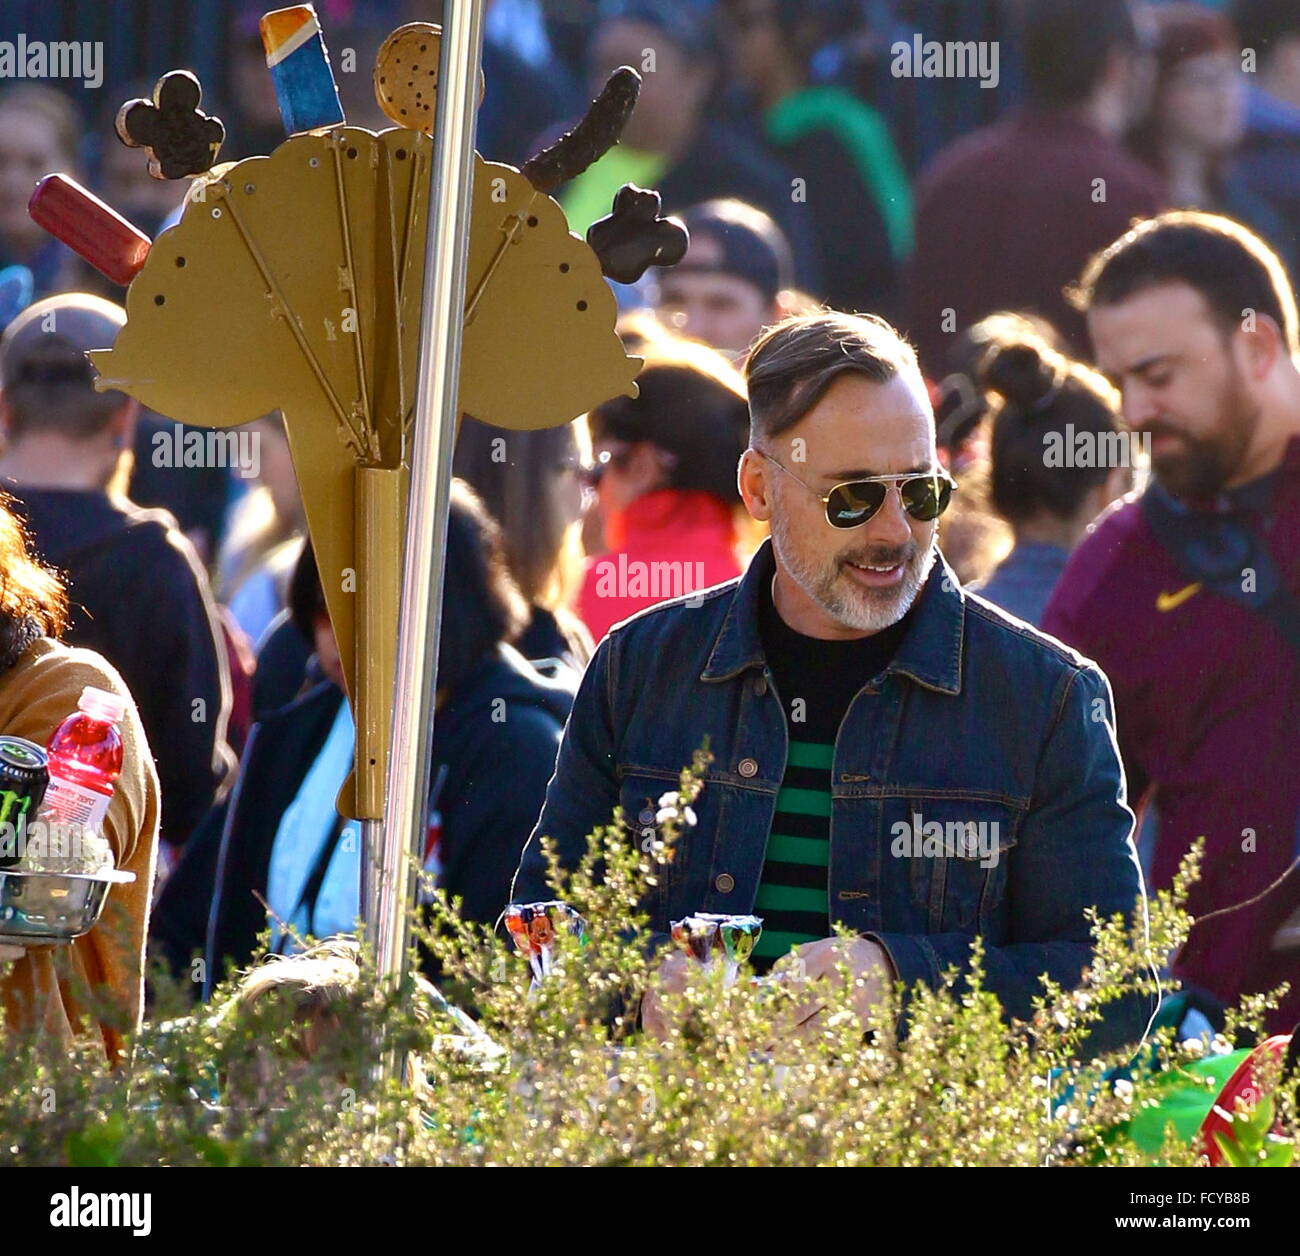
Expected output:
{"points": [[965, 495]]}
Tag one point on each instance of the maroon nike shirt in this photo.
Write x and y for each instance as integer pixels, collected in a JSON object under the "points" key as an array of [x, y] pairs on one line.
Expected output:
{"points": [[1207, 701]]}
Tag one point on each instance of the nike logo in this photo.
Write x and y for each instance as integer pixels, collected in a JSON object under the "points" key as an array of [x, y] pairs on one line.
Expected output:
{"points": [[1172, 601]]}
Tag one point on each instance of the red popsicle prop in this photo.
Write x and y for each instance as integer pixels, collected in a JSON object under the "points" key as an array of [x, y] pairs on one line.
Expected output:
{"points": [[94, 232]]}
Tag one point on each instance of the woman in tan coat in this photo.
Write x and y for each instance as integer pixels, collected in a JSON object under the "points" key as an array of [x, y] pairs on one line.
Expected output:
{"points": [[49, 988]]}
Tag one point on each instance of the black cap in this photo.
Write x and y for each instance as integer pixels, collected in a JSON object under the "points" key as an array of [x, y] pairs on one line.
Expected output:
{"points": [[729, 237]]}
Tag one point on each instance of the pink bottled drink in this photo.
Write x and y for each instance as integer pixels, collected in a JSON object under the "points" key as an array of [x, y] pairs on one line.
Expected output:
{"points": [[86, 758]]}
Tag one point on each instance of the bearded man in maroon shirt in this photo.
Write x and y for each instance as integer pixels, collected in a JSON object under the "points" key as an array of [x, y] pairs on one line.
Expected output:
{"points": [[1189, 595]]}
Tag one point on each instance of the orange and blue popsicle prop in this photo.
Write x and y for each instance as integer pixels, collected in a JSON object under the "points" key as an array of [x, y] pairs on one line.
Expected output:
{"points": [[300, 69]]}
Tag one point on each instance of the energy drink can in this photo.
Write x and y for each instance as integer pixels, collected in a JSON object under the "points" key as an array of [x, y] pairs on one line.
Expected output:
{"points": [[24, 777]]}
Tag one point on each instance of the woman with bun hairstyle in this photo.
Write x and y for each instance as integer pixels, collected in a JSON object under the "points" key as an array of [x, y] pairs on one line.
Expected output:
{"points": [[1053, 464]]}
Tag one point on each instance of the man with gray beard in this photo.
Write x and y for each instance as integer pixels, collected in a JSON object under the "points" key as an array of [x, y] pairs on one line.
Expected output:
{"points": [[889, 752]]}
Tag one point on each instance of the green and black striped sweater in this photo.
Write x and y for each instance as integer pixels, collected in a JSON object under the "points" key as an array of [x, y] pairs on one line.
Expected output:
{"points": [[815, 681]]}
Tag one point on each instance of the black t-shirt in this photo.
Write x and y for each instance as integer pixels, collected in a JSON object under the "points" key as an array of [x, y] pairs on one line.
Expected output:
{"points": [[824, 674], [815, 681]]}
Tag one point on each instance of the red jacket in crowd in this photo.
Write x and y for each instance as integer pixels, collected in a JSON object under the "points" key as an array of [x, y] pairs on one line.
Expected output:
{"points": [[665, 544]]}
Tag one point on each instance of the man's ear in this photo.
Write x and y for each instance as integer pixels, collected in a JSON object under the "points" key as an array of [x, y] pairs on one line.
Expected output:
{"points": [[1119, 480], [643, 467], [1117, 68], [755, 485], [1261, 346]]}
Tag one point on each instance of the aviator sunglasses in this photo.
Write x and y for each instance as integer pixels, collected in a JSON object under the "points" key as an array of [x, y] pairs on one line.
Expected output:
{"points": [[853, 503]]}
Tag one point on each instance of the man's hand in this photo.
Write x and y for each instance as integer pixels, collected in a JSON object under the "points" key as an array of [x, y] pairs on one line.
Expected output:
{"points": [[675, 972], [868, 963]]}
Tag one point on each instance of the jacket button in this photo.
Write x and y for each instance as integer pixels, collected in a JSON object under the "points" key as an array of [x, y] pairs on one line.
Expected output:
{"points": [[760, 686], [724, 883], [748, 767]]}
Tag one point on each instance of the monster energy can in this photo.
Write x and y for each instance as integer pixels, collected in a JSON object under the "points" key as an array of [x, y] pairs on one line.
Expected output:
{"points": [[24, 776]]}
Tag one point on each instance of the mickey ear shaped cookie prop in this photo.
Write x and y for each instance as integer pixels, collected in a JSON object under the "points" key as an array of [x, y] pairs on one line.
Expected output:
{"points": [[634, 237], [180, 139]]}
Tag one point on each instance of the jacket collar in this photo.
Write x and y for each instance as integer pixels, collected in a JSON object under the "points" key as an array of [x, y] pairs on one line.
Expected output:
{"points": [[931, 652]]}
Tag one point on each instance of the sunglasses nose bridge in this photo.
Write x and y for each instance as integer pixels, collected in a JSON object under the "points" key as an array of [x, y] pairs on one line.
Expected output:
{"points": [[893, 510]]}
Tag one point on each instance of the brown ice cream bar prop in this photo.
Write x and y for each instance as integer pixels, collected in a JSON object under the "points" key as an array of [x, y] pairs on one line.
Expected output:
{"points": [[94, 232], [595, 134]]}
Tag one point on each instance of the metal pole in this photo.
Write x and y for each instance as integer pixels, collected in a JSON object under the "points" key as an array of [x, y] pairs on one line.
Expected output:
{"points": [[446, 250]]}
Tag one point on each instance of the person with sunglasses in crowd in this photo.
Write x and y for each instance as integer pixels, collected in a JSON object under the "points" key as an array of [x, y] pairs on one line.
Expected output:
{"points": [[852, 693]]}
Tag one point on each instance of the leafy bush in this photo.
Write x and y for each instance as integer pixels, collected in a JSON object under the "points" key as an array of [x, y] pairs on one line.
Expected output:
{"points": [[568, 1078]]}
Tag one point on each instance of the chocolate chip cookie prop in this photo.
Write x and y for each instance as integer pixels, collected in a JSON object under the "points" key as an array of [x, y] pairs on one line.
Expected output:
{"points": [[406, 75]]}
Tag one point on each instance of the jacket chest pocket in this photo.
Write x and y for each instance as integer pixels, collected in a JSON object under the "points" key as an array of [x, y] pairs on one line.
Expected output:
{"points": [[956, 851], [639, 794]]}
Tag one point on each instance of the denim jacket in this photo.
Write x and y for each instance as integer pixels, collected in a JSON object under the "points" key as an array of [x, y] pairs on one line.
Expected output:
{"points": [[978, 718]]}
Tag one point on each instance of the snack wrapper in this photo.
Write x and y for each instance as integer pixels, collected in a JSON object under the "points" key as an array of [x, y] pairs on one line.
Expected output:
{"points": [[706, 936], [533, 928]]}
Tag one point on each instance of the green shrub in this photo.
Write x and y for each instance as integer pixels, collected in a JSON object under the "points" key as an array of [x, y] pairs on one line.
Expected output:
{"points": [[575, 1082]]}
